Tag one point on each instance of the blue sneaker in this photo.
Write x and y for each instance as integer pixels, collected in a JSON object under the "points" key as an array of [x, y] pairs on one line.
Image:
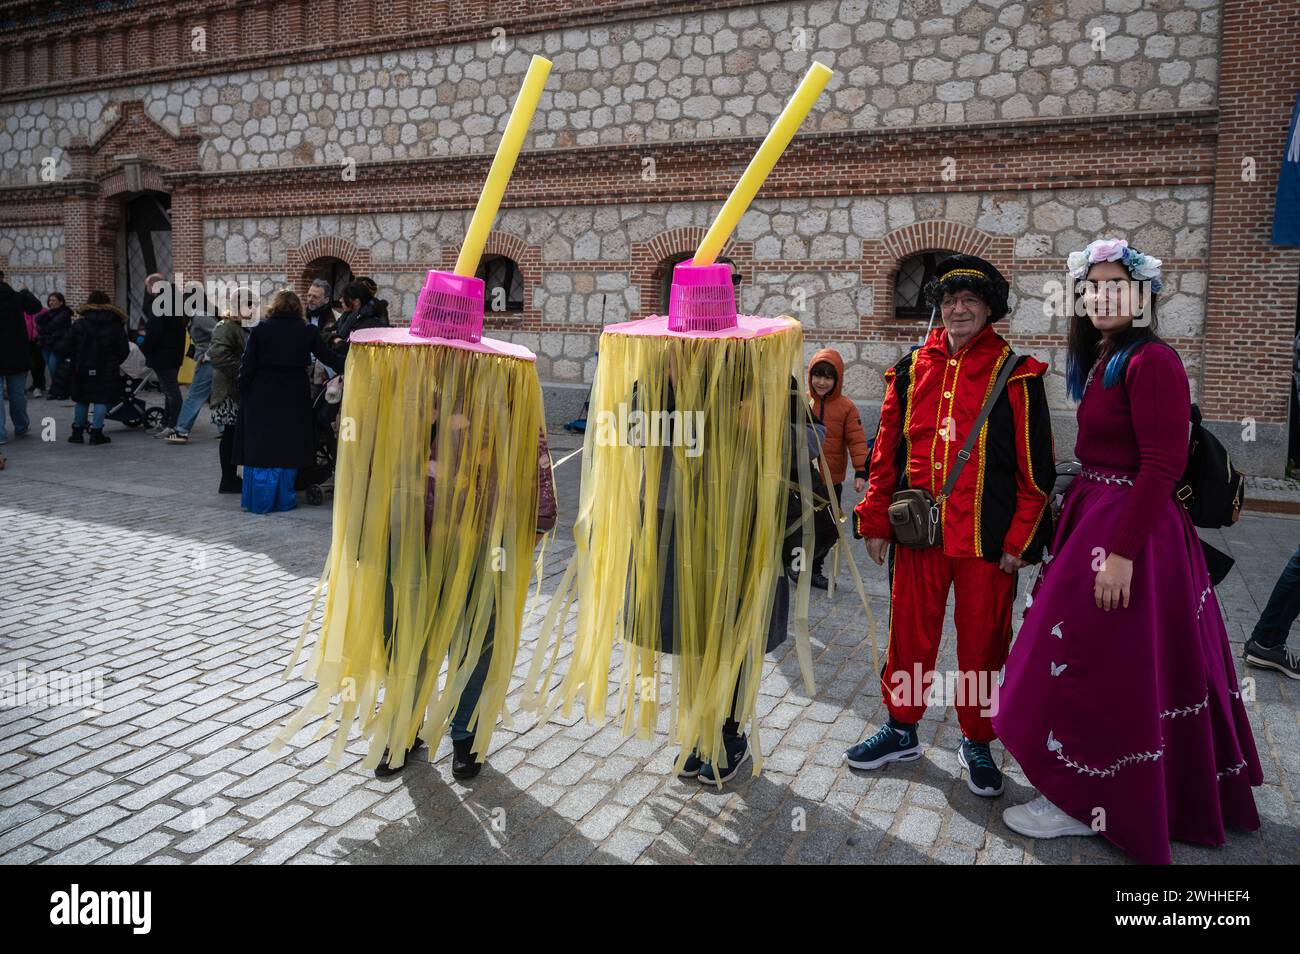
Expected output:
{"points": [[889, 744], [983, 776], [737, 755]]}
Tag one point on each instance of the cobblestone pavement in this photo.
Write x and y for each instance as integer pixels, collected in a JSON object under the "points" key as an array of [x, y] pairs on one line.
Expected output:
{"points": [[123, 559]]}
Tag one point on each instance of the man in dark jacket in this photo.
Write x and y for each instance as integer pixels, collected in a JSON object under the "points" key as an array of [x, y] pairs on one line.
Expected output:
{"points": [[15, 354], [97, 346], [164, 347]]}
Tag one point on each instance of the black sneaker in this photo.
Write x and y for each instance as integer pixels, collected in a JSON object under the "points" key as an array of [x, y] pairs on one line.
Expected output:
{"points": [[737, 749], [983, 776], [1285, 661], [384, 770], [691, 767], [463, 763], [819, 581], [889, 744]]}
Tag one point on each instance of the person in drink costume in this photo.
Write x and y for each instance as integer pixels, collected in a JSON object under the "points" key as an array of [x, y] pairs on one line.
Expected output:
{"points": [[990, 482]]}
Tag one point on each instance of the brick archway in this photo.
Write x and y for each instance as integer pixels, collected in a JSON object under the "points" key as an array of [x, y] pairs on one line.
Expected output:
{"points": [[882, 258], [324, 246], [650, 259], [527, 258]]}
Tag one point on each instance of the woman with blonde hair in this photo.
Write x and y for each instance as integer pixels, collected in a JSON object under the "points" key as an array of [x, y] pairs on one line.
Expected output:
{"points": [[273, 438]]}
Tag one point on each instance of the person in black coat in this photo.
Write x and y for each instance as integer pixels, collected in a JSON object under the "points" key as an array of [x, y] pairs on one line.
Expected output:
{"points": [[363, 310], [275, 413], [15, 355], [51, 327], [97, 346], [164, 347]]}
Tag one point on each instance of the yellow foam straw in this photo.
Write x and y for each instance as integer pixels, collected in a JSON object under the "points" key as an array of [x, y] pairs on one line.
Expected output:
{"points": [[503, 164], [405, 676], [724, 501], [778, 137]]}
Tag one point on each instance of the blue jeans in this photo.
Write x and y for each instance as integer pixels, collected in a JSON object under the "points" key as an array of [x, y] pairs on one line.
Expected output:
{"points": [[96, 418], [200, 389], [51, 364], [17, 385], [1283, 606], [473, 690]]}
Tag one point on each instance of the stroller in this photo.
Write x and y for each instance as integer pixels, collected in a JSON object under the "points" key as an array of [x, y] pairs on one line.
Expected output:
{"points": [[130, 409], [318, 480]]}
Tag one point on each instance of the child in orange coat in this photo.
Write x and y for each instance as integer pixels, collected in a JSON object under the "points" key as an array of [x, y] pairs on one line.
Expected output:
{"points": [[844, 439]]}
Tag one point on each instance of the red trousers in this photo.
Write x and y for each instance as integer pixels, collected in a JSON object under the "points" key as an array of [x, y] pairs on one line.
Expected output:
{"points": [[922, 579]]}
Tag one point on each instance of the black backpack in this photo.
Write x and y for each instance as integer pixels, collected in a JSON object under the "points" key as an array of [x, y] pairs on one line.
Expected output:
{"points": [[1211, 490]]}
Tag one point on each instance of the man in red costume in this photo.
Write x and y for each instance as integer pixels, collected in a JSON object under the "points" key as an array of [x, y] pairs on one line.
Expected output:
{"points": [[995, 521]]}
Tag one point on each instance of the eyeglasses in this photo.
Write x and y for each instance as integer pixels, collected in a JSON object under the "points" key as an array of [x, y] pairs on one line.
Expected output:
{"points": [[967, 302]]}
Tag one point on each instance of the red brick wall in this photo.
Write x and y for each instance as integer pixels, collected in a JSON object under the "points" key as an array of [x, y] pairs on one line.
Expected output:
{"points": [[1251, 313]]}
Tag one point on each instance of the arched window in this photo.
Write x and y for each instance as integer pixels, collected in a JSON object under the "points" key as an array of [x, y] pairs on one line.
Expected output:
{"points": [[666, 277], [334, 270], [503, 283], [914, 273]]}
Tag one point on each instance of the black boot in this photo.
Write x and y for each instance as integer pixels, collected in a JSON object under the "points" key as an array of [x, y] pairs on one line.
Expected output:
{"points": [[463, 763], [76, 436], [97, 436], [231, 483], [384, 770]]}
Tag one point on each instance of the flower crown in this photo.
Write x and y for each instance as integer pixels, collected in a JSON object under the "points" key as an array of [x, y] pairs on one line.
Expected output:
{"points": [[1140, 266]]}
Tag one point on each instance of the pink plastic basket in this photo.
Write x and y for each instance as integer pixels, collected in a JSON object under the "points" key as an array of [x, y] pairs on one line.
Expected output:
{"points": [[449, 306], [703, 298]]}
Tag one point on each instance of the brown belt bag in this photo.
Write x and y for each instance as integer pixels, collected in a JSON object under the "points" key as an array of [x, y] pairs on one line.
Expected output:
{"points": [[914, 513]]}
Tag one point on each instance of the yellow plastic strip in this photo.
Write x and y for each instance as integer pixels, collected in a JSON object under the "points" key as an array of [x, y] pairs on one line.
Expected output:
{"points": [[503, 164], [691, 494], [439, 591], [778, 137]]}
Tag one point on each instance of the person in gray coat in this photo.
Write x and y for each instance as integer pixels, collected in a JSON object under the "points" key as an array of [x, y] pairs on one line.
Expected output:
{"points": [[201, 325]]}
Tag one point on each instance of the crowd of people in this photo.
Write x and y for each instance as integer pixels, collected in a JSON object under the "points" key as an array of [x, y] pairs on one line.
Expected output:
{"points": [[1119, 697], [261, 375]]}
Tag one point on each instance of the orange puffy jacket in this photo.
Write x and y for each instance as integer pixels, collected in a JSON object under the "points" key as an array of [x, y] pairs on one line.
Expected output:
{"points": [[844, 434]]}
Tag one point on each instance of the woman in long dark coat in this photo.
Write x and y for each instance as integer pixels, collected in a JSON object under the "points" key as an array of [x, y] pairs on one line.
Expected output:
{"points": [[274, 436], [96, 344]]}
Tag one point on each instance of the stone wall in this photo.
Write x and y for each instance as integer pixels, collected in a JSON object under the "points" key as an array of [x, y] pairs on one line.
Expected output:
{"points": [[32, 257], [898, 63], [809, 259]]}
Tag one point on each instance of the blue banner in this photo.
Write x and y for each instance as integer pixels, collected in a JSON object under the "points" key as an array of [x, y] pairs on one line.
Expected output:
{"points": [[1286, 216]]}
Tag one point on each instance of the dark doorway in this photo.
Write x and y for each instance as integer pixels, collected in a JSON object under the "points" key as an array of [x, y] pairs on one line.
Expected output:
{"points": [[334, 270], [144, 247]]}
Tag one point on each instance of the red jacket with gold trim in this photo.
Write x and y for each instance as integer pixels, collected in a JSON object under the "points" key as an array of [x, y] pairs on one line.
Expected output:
{"points": [[932, 397]]}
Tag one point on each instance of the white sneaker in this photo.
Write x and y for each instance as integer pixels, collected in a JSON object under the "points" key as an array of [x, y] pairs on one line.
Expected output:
{"points": [[1041, 819], [164, 432]]}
